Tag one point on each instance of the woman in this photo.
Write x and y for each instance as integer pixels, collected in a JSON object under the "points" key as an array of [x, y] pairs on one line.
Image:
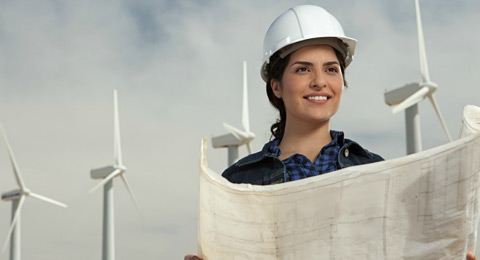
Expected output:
{"points": [[305, 56]]}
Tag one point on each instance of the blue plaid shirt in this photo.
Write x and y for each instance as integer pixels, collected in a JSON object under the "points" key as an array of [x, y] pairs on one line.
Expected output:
{"points": [[299, 166]]}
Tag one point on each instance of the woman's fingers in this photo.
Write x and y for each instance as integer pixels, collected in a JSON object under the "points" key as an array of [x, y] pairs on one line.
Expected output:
{"points": [[471, 256], [194, 257]]}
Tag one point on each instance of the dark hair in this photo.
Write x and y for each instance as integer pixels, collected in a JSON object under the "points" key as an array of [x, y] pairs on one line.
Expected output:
{"points": [[275, 70]]}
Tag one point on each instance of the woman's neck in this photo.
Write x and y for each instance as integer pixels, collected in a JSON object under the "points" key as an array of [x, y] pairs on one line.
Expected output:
{"points": [[307, 140]]}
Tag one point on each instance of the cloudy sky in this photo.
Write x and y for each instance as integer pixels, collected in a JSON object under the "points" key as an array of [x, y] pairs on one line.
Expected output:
{"points": [[177, 66]]}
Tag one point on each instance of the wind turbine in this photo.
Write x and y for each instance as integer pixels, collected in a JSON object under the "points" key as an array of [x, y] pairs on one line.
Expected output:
{"points": [[17, 197], [107, 174], [407, 97], [237, 137]]}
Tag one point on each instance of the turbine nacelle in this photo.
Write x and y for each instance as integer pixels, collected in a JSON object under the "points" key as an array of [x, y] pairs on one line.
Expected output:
{"points": [[12, 195], [101, 173], [409, 95]]}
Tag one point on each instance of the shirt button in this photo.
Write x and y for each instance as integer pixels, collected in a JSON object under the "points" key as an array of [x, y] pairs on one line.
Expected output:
{"points": [[346, 152]]}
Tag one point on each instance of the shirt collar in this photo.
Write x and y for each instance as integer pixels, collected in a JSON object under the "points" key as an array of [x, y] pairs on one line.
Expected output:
{"points": [[337, 139]]}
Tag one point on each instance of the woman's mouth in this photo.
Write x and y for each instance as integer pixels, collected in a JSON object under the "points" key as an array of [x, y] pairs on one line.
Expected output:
{"points": [[317, 98]]}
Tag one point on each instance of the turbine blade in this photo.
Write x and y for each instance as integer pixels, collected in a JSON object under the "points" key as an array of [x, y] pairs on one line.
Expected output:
{"points": [[239, 134], [439, 114], [124, 179], [109, 177], [116, 131], [245, 116], [40, 197], [16, 170], [14, 221], [411, 100], [249, 148], [421, 45]]}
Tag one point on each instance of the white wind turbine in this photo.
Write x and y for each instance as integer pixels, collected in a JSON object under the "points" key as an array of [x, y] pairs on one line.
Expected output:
{"points": [[237, 137], [107, 174], [407, 97], [17, 197]]}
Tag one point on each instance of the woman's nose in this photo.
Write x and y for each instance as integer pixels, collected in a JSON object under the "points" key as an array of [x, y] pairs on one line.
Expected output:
{"points": [[318, 81]]}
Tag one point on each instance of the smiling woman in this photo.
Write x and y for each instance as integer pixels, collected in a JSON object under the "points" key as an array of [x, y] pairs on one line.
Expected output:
{"points": [[305, 57]]}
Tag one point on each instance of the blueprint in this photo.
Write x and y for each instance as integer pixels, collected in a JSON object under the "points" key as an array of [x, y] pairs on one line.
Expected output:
{"points": [[421, 206]]}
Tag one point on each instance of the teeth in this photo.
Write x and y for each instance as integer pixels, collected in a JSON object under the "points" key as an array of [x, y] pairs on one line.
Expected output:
{"points": [[317, 98]]}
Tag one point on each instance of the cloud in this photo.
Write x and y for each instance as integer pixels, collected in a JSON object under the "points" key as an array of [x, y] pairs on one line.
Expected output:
{"points": [[178, 68]]}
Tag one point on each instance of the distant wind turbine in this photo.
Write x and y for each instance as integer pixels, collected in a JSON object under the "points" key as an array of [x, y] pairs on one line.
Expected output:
{"points": [[407, 97], [107, 174], [17, 197], [237, 137]]}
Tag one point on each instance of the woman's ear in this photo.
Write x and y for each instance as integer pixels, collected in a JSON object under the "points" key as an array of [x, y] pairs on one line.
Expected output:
{"points": [[275, 85]]}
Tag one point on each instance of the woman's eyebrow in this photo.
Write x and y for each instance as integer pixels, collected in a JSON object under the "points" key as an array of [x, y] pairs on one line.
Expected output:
{"points": [[307, 63], [331, 63]]}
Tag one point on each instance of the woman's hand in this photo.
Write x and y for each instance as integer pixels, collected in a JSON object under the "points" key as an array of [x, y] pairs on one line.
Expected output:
{"points": [[470, 256], [194, 257]]}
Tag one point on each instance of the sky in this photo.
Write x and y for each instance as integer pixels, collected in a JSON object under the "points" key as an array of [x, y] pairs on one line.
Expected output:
{"points": [[177, 66]]}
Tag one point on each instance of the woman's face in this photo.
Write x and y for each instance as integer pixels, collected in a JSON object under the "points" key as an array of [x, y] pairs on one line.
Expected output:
{"points": [[312, 85]]}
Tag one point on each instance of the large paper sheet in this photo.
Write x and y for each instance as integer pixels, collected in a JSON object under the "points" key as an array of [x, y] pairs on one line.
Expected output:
{"points": [[421, 206]]}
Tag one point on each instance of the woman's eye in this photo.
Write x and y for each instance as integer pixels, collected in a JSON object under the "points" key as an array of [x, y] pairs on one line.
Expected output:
{"points": [[301, 69], [333, 70]]}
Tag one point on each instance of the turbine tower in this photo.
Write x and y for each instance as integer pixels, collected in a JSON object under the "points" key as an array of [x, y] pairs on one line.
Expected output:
{"points": [[237, 137], [17, 197], [407, 97], [107, 174]]}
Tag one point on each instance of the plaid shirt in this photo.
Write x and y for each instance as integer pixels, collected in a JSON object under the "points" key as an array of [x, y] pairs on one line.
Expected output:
{"points": [[299, 166]]}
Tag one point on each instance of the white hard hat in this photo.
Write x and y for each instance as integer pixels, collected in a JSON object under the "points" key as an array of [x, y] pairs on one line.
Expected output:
{"points": [[302, 26]]}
